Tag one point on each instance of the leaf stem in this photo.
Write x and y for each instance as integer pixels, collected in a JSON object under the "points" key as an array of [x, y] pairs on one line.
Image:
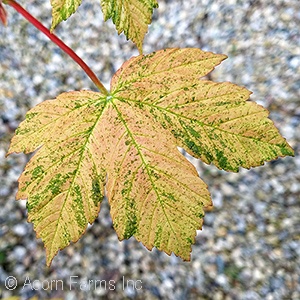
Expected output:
{"points": [[59, 43]]}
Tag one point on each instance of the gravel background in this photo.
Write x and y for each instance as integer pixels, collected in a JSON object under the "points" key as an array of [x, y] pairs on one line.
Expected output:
{"points": [[249, 247]]}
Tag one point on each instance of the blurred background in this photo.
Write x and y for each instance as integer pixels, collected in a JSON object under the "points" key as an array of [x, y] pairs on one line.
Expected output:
{"points": [[249, 247]]}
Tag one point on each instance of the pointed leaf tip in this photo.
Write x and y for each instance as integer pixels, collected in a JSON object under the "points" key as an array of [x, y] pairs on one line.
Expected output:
{"points": [[131, 17], [62, 10]]}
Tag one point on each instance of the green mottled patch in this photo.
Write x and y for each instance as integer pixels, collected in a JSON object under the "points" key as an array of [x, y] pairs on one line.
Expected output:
{"points": [[55, 184], [222, 103], [37, 172], [29, 206], [78, 207], [223, 161], [124, 191], [177, 133], [96, 192], [164, 125], [25, 186], [131, 225], [192, 146], [193, 132], [77, 104], [154, 174], [22, 131], [158, 234], [167, 118], [170, 196], [66, 236], [127, 174], [30, 115], [140, 105], [189, 240], [286, 150], [34, 201]]}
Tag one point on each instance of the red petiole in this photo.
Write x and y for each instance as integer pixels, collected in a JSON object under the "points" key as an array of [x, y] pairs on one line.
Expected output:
{"points": [[58, 42]]}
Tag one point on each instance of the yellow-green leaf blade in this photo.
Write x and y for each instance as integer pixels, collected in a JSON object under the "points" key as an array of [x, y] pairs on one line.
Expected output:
{"points": [[129, 139], [221, 127], [63, 181], [164, 70], [155, 194], [130, 16], [211, 121], [62, 10], [82, 137]]}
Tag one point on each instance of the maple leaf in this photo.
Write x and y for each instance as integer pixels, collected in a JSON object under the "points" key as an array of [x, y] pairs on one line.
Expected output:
{"points": [[211, 121], [126, 143], [130, 16], [62, 10]]}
